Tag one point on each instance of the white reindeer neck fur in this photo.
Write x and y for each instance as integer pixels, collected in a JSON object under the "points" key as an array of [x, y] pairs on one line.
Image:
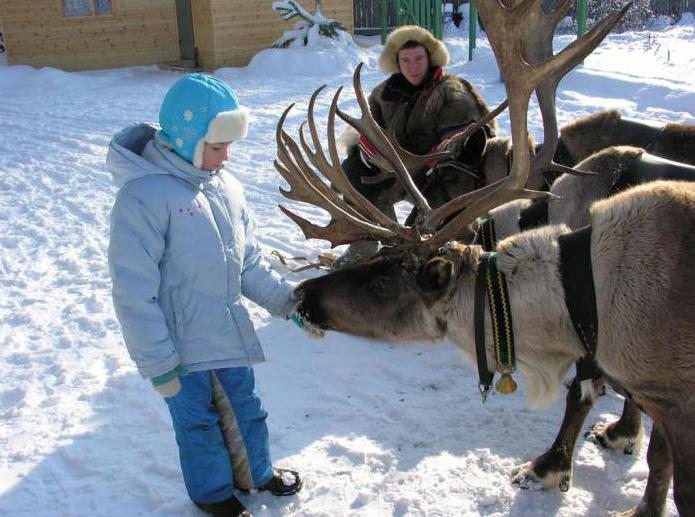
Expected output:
{"points": [[506, 217], [545, 341]]}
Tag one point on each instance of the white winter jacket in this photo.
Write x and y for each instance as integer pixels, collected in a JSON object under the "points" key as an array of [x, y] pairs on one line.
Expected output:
{"points": [[181, 255]]}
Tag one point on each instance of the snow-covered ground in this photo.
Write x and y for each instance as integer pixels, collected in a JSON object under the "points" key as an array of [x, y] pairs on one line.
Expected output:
{"points": [[376, 429]]}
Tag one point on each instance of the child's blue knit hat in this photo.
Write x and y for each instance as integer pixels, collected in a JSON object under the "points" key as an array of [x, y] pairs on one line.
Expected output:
{"points": [[200, 108]]}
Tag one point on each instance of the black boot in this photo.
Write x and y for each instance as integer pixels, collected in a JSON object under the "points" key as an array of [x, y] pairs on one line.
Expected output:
{"points": [[231, 507], [283, 482]]}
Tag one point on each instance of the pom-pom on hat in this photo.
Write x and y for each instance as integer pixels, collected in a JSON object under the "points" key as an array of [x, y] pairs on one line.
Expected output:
{"points": [[388, 61], [200, 108]]}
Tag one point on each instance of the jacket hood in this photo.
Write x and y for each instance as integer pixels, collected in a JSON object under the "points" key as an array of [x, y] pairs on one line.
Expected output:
{"points": [[135, 152]]}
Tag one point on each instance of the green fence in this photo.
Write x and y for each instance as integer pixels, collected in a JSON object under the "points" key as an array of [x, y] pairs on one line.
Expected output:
{"points": [[425, 13]]}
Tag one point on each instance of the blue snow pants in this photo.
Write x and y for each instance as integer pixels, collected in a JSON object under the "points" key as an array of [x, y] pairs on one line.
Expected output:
{"points": [[209, 400]]}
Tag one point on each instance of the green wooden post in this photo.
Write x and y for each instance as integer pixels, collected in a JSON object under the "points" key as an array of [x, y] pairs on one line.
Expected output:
{"points": [[438, 29], [472, 28], [425, 13], [582, 7], [384, 20]]}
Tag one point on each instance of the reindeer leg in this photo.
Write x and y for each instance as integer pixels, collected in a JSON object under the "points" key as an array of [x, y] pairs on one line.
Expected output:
{"points": [[680, 437], [624, 434], [553, 469], [661, 465]]}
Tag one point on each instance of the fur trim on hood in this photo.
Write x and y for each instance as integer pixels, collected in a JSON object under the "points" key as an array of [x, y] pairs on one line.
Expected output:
{"points": [[388, 61], [348, 139]]}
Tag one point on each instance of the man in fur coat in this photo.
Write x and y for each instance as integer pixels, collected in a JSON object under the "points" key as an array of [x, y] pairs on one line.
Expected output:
{"points": [[421, 104]]}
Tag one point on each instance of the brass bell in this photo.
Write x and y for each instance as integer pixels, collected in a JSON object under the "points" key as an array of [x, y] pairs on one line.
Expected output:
{"points": [[506, 384]]}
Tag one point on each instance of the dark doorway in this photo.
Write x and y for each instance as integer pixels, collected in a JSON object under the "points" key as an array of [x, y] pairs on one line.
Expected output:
{"points": [[184, 17]]}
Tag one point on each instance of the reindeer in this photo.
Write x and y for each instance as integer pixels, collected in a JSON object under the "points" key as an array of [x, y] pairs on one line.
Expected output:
{"points": [[617, 168], [638, 252], [585, 136], [487, 160]]}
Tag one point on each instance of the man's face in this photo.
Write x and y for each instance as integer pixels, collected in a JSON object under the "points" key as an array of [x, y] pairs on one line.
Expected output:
{"points": [[214, 156], [413, 64]]}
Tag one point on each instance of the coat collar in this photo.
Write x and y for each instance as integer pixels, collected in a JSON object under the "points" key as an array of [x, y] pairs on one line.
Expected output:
{"points": [[398, 88]]}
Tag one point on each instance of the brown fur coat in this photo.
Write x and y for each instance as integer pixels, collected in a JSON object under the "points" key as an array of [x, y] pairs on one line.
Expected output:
{"points": [[422, 117]]}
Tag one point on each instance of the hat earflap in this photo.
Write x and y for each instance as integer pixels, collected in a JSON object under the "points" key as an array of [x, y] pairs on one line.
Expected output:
{"points": [[227, 126]]}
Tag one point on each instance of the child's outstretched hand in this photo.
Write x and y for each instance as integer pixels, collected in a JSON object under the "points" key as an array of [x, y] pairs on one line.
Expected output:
{"points": [[310, 330]]}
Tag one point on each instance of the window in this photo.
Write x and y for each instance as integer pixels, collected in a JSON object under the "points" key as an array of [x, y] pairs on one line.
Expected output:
{"points": [[73, 8]]}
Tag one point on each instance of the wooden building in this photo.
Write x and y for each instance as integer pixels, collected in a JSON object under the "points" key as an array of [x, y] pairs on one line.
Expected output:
{"points": [[94, 34]]}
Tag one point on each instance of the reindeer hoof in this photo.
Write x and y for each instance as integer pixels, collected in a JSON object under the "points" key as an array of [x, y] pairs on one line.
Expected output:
{"points": [[600, 434], [565, 482], [526, 478]]}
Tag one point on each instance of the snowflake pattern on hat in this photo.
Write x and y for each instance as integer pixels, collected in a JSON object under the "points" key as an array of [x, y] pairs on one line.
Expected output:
{"points": [[190, 106]]}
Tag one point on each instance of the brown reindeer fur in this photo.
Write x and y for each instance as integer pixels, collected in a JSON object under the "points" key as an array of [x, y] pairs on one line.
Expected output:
{"points": [[587, 135], [676, 142], [496, 158], [649, 291]]}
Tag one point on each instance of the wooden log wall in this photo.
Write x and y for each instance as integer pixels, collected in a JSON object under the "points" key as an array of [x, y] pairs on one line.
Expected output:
{"points": [[36, 33], [227, 32], [244, 27], [204, 30]]}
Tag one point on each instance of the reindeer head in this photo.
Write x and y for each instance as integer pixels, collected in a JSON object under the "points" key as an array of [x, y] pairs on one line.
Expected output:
{"points": [[392, 295], [398, 294]]}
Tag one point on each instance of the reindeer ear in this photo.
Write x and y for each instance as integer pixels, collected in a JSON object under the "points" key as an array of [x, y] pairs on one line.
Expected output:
{"points": [[436, 274], [473, 148]]}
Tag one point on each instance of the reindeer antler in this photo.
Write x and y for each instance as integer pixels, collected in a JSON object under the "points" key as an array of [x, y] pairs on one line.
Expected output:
{"points": [[525, 59], [367, 126], [353, 217], [511, 42]]}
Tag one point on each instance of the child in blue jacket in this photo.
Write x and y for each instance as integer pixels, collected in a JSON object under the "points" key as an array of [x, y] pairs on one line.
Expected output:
{"points": [[182, 253]]}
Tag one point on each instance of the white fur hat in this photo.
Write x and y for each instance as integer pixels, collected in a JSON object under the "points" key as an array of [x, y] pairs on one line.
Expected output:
{"points": [[388, 61]]}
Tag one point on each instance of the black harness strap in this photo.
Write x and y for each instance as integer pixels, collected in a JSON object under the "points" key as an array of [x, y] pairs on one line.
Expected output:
{"points": [[491, 282], [534, 215], [651, 168], [580, 295], [636, 133], [486, 236], [485, 376]]}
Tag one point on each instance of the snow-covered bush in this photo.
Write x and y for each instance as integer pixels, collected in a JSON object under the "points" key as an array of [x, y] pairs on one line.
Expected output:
{"points": [[311, 27]]}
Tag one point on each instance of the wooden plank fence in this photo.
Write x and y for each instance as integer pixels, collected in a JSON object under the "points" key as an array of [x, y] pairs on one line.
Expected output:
{"points": [[367, 15]]}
